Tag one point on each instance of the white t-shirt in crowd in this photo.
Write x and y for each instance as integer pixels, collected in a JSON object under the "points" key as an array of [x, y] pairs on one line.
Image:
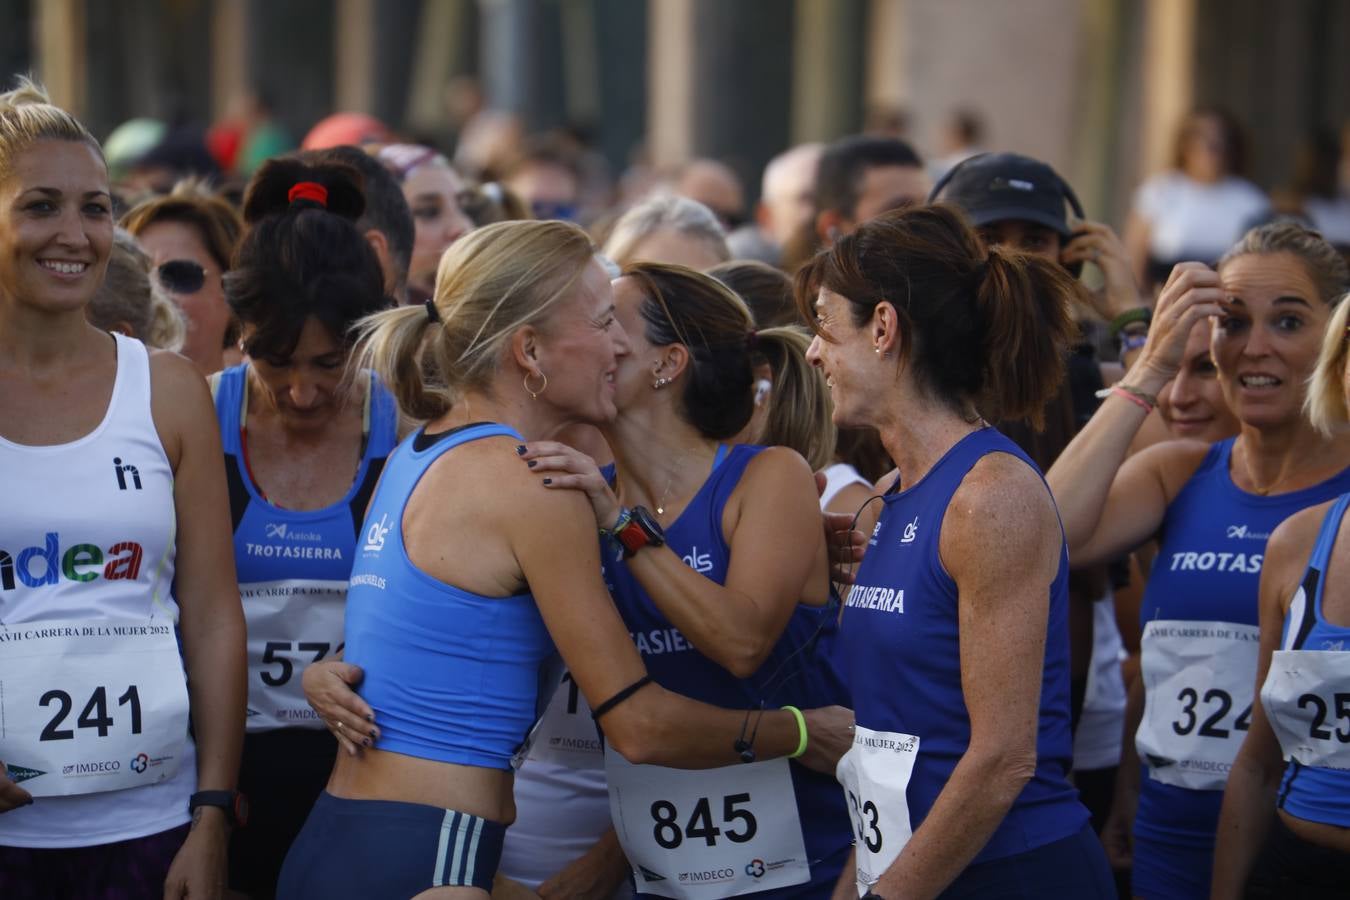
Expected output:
{"points": [[837, 477], [1190, 219], [1331, 217], [1096, 745]]}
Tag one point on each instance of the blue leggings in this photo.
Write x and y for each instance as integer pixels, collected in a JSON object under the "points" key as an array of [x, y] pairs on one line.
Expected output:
{"points": [[1073, 867], [384, 850]]}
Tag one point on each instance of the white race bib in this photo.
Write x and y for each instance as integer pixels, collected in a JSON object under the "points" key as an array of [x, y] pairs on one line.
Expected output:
{"points": [[1307, 699], [875, 773], [566, 734], [291, 623], [708, 833], [1198, 682], [89, 706]]}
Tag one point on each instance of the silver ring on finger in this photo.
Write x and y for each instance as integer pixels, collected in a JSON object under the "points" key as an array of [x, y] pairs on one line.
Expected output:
{"points": [[339, 725]]}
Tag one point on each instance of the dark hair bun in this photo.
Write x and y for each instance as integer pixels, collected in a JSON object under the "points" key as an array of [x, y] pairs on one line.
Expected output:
{"points": [[269, 190]]}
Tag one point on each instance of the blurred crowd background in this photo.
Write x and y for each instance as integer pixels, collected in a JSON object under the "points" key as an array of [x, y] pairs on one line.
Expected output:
{"points": [[627, 92]]}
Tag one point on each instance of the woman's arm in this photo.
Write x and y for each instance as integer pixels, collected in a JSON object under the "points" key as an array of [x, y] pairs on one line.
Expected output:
{"points": [[1000, 520], [1118, 830], [559, 554], [772, 526], [1249, 798], [211, 620], [1108, 509]]}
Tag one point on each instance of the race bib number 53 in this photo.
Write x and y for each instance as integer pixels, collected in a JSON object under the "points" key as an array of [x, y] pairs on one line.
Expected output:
{"points": [[875, 774], [91, 706]]}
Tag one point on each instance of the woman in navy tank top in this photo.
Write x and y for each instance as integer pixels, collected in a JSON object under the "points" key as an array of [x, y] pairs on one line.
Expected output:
{"points": [[303, 451], [469, 573], [729, 611], [955, 630], [1302, 711], [1212, 509]]}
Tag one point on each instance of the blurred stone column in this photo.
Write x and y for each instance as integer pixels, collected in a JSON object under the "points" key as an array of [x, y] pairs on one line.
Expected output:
{"points": [[720, 82], [354, 55], [521, 59], [829, 47], [59, 34], [1169, 77], [888, 75], [229, 55], [445, 46]]}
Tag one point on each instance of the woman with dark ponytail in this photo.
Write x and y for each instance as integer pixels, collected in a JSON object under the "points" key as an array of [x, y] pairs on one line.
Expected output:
{"points": [[955, 631], [304, 447], [733, 610]]}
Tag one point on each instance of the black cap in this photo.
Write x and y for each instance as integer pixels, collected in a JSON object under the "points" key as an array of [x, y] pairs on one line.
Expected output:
{"points": [[994, 187]]}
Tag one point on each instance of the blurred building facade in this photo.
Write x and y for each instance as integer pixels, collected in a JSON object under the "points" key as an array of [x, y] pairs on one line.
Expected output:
{"points": [[1096, 87]]}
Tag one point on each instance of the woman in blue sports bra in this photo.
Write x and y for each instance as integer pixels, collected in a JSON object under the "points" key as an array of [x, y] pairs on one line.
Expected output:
{"points": [[303, 451], [1212, 509], [955, 630], [1302, 711], [727, 611], [468, 573]]}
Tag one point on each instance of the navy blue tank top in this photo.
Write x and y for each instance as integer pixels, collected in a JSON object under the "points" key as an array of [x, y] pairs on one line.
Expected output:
{"points": [[797, 672], [293, 565], [1208, 569], [901, 639], [452, 675]]}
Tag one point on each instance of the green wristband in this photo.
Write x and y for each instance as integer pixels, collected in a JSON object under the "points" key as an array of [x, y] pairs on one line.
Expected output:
{"points": [[801, 730]]}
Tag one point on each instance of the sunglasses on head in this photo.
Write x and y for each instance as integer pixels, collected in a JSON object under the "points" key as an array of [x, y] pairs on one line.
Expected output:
{"points": [[181, 276]]}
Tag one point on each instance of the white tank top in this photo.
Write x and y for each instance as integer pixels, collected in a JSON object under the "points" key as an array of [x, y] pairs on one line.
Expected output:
{"points": [[87, 534], [837, 477]]}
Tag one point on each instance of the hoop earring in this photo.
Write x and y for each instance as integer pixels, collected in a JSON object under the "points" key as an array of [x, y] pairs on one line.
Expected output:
{"points": [[534, 395]]}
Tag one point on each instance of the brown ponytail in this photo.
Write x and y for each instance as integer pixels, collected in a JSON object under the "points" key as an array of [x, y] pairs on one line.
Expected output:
{"points": [[982, 332], [1024, 302]]}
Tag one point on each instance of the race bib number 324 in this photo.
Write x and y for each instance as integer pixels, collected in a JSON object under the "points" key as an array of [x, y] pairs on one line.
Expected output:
{"points": [[91, 706]]}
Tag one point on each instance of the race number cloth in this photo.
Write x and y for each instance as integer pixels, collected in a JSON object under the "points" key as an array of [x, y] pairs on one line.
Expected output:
{"points": [[1198, 679], [565, 734], [291, 624], [708, 833], [875, 773], [91, 706], [1307, 699]]}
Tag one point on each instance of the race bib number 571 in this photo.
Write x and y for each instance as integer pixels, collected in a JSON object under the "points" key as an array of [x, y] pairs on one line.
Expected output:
{"points": [[91, 706]]}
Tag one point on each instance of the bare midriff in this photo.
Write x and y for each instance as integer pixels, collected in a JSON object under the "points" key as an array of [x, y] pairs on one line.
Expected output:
{"points": [[381, 775]]}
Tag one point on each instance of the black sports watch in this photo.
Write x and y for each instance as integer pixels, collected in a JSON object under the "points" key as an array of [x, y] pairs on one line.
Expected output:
{"points": [[641, 530], [871, 896], [234, 804]]}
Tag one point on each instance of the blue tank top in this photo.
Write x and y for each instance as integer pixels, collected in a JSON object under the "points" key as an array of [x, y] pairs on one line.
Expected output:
{"points": [[901, 638], [1318, 793], [271, 543], [1208, 569], [452, 676], [797, 671]]}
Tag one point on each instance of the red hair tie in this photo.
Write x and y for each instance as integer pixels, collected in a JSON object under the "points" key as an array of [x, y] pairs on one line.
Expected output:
{"points": [[308, 190]]}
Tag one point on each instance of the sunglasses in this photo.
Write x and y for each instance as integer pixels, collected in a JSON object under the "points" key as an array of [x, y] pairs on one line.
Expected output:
{"points": [[181, 276]]}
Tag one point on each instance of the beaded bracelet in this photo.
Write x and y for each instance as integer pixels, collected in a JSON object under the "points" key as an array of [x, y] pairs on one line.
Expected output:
{"points": [[1141, 399]]}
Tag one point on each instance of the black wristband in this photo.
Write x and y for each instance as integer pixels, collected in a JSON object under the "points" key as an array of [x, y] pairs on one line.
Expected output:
{"points": [[620, 697]]}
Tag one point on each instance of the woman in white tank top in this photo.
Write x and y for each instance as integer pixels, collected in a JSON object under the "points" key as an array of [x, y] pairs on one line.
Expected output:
{"points": [[119, 614]]}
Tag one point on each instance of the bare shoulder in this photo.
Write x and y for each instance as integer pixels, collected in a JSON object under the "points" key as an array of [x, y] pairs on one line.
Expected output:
{"points": [[488, 477], [1002, 511], [1290, 545], [180, 403], [777, 463], [1171, 462]]}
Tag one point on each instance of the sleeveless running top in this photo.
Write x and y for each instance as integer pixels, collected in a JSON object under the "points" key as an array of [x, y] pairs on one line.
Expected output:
{"points": [[1317, 793], [797, 671], [87, 535], [452, 676], [1206, 576], [293, 565], [901, 638]]}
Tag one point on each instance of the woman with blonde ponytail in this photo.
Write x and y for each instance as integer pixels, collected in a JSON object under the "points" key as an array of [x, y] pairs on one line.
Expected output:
{"points": [[469, 572], [119, 612]]}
